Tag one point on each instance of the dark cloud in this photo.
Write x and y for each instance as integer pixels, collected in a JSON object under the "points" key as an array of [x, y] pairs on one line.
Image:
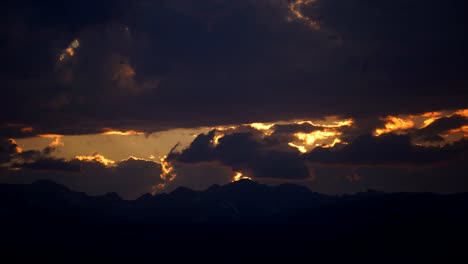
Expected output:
{"points": [[129, 178], [199, 176], [445, 177], [147, 64], [432, 132], [388, 149], [8, 148], [243, 151], [199, 150], [51, 164]]}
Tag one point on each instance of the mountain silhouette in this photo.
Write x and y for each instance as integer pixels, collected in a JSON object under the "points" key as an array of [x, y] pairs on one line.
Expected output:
{"points": [[240, 220]]}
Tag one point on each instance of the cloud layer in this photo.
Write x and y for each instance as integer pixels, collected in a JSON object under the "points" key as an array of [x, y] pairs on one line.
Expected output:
{"points": [[145, 65]]}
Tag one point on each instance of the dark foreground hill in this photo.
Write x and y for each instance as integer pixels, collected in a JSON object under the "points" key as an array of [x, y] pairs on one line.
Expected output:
{"points": [[243, 220]]}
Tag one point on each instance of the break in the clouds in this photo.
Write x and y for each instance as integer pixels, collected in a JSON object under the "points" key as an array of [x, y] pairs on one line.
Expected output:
{"points": [[152, 65], [94, 174], [332, 155]]}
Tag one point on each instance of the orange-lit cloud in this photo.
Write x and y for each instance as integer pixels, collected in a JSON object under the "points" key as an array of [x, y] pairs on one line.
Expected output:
{"points": [[57, 140], [404, 123], [96, 158], [168, 172], [463, 130], [301, 149], [57, 143], [462, 112], [217, 137], [335, 141], [295, 7], [27, 129], [69, 51], [239, 176], [109, 132], [225, 128], [50, 136], [428, 118], [264, 128], [18, 149], [311, 138], [395, 124], [329, 123], [326, 138]]}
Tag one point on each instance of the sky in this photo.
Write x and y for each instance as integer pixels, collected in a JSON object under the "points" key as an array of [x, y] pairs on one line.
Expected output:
{"points": [[145, 96]]}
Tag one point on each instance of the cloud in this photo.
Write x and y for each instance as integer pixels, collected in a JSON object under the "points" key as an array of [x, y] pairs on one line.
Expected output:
{"points": [[198, 176], [388, 149], [94, 174], [145, 65], [444, 124], [51, 164], [8, 148], [129, 178], [295, 128], [246, 152]]}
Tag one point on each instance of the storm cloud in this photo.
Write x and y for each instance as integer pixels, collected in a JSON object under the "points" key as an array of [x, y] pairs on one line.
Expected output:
{"points": [[146, 65]]}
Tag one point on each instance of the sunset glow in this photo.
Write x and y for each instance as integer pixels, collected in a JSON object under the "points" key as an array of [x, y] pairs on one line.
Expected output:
{"points": [[329, 124], [264, 128], [121, 133], [96, 158], [27, 129], [301, 149], [168, 173], [394, 124], [69, 51], [311, 138], [296, 12], [239, 176], [404, 123]]}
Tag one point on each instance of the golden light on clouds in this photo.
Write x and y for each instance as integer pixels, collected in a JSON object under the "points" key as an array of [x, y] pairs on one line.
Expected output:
{"points": [[326, 138], [295, 8], [403, 123], [335, 141], [311, 138], [301, 149], [57, 143], [395, 124], [264, 128], [27, 129], [96, 158], [326, 135], [462, 112], [57, 140], [328, 123], [462, 130], [50, 136], [168, 172], [225, 128], [18, 149], [110, 132], [239, 176], [217, 137], [69, 51], [429, 118]]}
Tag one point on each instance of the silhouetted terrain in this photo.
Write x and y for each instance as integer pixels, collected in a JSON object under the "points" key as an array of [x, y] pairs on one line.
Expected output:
{"points": [[244, 220]]}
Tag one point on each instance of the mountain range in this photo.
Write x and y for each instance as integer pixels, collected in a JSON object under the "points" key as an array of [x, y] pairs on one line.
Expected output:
{"points": [[248, 219]]}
